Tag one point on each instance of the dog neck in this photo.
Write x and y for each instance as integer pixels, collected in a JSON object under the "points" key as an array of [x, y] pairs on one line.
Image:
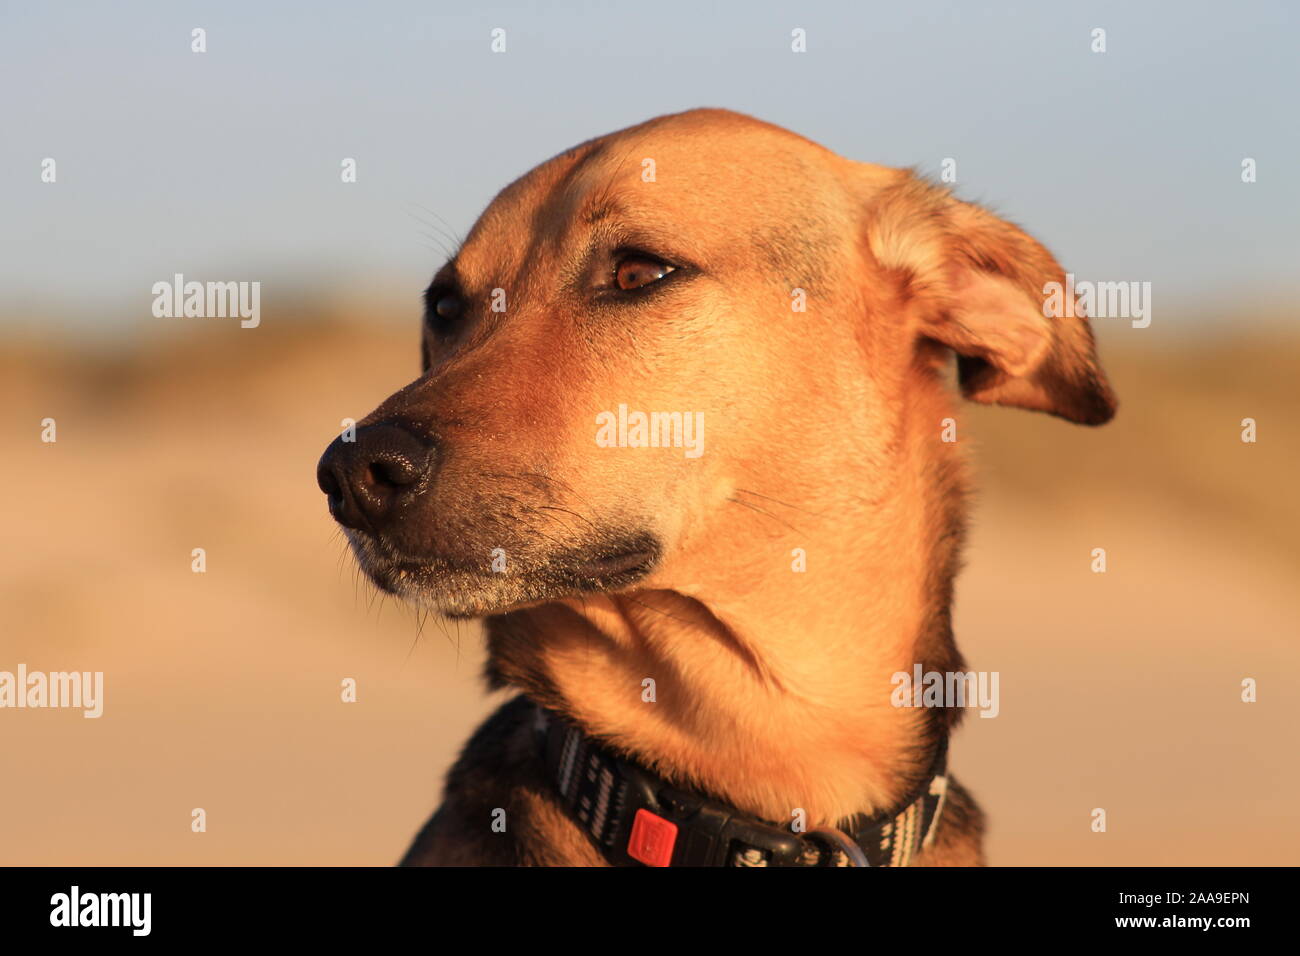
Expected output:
{"points": [[778, 698]]}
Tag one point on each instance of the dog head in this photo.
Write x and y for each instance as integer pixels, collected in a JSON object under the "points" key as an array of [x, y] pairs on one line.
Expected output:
{"points": [[662, 335]]}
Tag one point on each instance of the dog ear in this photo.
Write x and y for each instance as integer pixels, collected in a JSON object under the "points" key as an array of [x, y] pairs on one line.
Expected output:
{"points": [[978, 285]]}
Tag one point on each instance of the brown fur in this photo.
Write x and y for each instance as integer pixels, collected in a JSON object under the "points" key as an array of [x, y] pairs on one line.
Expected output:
{"points": [[822, 433]]}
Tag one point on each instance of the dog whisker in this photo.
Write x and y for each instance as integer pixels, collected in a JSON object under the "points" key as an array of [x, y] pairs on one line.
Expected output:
{"points": [[778, 501], [444, 236], [567, 511], [753, 507], [651, 607], [451, 233]]}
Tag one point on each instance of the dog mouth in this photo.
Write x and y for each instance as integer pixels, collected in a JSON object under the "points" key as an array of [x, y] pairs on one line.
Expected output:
{"points": [[502, 582], [635, 561]]}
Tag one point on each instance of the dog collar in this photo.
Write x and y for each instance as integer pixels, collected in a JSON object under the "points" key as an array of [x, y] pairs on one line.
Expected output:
{"points": [[635, 816]]}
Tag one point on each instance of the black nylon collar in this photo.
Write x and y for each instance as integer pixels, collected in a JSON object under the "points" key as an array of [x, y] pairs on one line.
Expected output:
{"points": [[635, 817]]}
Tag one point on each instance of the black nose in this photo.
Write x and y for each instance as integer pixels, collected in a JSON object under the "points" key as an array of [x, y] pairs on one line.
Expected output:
{"points": [[369, 478]]}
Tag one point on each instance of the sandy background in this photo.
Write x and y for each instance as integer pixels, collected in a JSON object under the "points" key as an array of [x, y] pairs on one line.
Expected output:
{"points": [[1118, 690]]}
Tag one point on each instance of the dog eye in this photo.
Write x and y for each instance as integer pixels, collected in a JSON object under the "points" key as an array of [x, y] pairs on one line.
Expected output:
{"points": [[635, 272], [442, 309], [447, 306]]}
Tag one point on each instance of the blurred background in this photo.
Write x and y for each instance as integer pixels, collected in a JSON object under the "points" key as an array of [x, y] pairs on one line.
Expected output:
{"points": [[1119, 690]]}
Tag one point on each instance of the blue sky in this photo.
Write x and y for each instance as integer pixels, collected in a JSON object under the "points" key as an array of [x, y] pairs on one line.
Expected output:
{"points": [[226, 164]]}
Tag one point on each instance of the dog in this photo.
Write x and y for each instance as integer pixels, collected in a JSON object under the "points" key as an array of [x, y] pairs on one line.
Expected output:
{"points": [[680, 439]]}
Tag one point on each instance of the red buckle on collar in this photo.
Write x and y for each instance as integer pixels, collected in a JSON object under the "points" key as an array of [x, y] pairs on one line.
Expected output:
{"points": [[652, 839]]}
